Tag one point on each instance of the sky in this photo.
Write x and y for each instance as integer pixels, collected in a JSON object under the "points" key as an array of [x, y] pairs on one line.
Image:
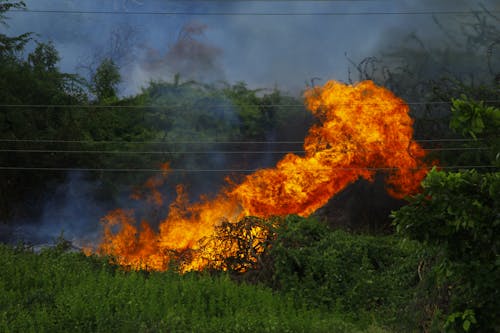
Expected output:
{"points": [[266, 51]]}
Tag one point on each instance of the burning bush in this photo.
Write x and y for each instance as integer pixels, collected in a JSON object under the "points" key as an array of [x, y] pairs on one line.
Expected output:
{"points": [[242, 245]]}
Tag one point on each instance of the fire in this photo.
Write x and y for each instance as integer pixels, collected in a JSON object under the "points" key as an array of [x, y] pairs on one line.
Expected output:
{"points": [[362, 129]]}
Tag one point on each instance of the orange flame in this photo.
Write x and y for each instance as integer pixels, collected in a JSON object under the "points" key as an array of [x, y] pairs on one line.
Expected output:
{"points": [[363, 129]]}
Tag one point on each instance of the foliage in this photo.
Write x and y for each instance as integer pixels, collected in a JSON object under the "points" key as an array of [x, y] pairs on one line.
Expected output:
{"points": [[31, 82], [9, 46], [105, 81], [480, 122], [254, 120], [349, 272], [56, 291], [472, 118], [244, 245], [459, 213], [44, 58]]}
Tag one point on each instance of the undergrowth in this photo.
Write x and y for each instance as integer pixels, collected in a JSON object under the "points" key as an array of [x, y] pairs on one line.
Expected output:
{"points": [[57, 291]]}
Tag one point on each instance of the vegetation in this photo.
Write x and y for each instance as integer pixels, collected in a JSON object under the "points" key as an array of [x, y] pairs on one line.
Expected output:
{"points": [[458, 212], [56, 291]]}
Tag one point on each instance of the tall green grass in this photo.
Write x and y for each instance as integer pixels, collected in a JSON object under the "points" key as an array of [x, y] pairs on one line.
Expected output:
{"points": [[54, 291]]}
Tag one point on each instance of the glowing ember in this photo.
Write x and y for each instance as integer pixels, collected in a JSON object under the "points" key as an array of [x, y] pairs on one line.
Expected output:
{"points": [[363, 129]]}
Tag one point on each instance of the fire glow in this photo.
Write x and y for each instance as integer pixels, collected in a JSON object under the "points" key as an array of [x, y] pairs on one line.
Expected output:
{"points": [[363, 129]]}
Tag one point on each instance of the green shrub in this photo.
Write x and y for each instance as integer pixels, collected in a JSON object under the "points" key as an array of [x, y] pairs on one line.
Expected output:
{"points": [[459, 213], [351, 273], [60, 292]]}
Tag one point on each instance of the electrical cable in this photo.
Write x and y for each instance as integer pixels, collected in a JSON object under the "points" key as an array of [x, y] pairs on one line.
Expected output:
{"points": [[230, 106], [192, 13], [172, 142], [205, 152], [23, 168]]}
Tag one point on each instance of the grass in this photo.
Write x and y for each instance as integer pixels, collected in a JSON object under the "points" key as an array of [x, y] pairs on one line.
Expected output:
{"points": [[56, 291]]}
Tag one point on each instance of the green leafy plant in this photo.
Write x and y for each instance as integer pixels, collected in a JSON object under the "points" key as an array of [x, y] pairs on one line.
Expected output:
{"points": [[61, 292], [459, 213], [474, 118], [347, 272]]}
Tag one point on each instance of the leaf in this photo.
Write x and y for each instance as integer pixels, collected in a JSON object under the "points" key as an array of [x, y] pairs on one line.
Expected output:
{"points": [[466, 325]]}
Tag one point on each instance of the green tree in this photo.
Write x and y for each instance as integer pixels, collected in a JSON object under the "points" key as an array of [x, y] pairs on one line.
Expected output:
{"points": [[44, 58], [480, 122], [26, 81], [10, 45], [459, 213], [256, 111], [105, 80]]}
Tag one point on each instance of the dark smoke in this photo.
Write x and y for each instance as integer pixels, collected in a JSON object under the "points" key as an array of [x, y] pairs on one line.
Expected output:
{"points": [[72, 210], [190, 57]]}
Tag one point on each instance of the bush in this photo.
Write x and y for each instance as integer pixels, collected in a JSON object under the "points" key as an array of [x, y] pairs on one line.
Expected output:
{"points": [[459, 213], [57, 291], [351, 273]]}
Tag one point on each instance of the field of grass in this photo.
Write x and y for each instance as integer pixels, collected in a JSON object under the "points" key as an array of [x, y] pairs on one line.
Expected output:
{"points": [[55, 291]]}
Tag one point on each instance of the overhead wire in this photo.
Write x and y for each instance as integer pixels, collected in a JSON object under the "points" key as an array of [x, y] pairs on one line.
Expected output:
{"points": [[153, 106], [263, 1], [23, 168], [173, 142], [203, 141], [256, 13], [206, 152]]}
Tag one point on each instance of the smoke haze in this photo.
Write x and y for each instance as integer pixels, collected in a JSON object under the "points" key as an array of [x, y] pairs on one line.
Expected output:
{"points": [[282, 50]]}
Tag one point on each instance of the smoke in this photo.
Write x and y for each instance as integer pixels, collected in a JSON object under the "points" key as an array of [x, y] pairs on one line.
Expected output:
{"points": [[72, 209], [461, 47], [191, 57], [283, 50]]}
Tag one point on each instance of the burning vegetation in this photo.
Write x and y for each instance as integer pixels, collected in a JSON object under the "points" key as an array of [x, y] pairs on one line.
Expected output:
{"points": [[363, 129]]}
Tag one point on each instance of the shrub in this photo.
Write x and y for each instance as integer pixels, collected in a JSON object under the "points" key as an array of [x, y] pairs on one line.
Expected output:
{"points": [[352, 273], [459, 213]]}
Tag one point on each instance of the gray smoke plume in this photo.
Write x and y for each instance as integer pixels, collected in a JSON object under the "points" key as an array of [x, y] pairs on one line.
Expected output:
{"points": [[262, 50], [71, 210]]}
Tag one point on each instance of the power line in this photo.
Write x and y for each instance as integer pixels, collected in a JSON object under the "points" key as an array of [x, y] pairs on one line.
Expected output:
{"points": [[151, 106], [21, 168], [142, 152], [192, 13], [215, 152], [278, 0], [307, 1], [173, 142]]}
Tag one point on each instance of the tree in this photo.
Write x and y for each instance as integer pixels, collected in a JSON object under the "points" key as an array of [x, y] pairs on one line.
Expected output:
{"points": [[459, 213], [10, 45], [480, 122], [105, 80], [44, 57]]}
